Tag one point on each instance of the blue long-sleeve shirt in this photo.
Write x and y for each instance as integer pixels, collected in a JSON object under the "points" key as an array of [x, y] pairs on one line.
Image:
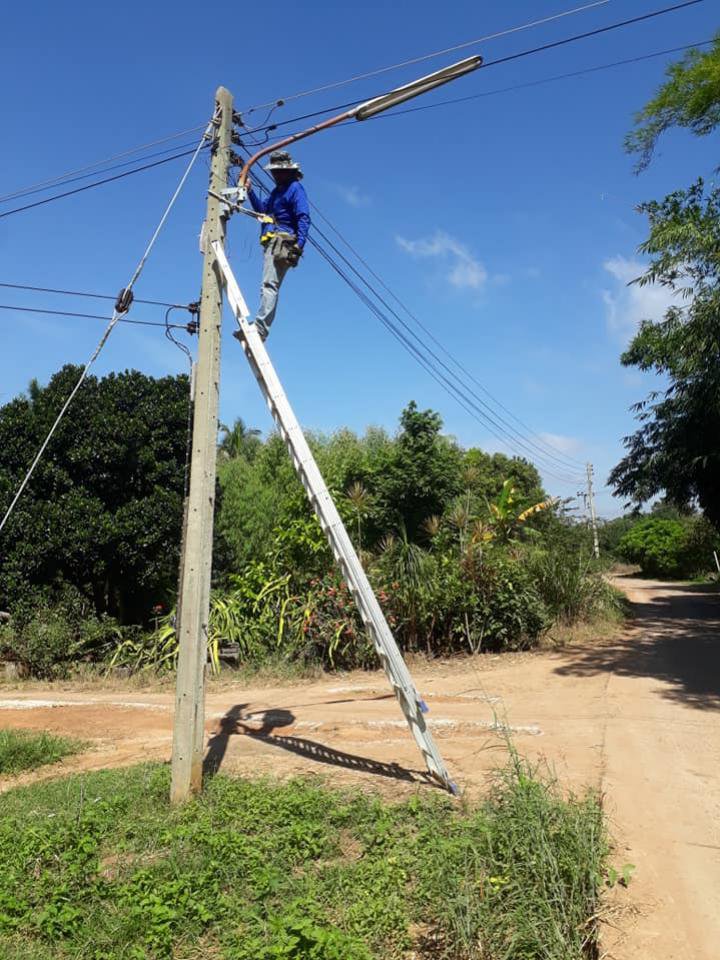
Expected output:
{"points": [[289, 208]]}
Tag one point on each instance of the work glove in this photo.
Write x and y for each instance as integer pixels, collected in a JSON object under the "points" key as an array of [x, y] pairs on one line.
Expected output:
{"points": [[293, 254]]}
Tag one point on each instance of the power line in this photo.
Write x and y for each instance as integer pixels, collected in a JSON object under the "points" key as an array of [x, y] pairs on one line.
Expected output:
{"points": [[593, 33], [543, 446], [430, 56], [481, 409], [515, 56], [537, 450], [429, 361], [121, 307], [63, 181], [537, 83], [92, 316], [100, 163], [516, 438], [92, 296], [98, 183], [446, 384]]}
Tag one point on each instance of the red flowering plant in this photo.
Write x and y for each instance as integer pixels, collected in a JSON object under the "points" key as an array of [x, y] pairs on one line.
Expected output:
{"points": [[332, 629]]}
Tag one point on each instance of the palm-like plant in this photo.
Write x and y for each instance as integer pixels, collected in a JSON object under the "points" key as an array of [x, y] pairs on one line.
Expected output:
{"points": [[238, 440], [360, 500]]}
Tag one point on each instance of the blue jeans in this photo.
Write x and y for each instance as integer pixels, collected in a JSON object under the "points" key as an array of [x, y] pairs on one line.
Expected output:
{"points": [[275, 266]]}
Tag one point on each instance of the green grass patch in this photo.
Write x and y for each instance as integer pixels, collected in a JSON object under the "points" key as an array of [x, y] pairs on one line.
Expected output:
{"points": [[100, 867], [25, 750]]}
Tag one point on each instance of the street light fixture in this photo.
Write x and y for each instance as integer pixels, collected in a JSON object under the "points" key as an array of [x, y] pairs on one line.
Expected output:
{"points": [[416, 88], [371, 108]]}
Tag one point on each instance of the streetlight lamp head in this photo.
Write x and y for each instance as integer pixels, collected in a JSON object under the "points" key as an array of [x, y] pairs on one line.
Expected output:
{"points": [[372, 107]]}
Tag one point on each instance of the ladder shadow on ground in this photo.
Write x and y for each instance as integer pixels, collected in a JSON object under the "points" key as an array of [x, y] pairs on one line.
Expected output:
{"points": [[261, 725]]}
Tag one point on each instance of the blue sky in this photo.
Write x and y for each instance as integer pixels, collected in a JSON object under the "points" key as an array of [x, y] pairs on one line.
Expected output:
{"points": [[505, 223]]}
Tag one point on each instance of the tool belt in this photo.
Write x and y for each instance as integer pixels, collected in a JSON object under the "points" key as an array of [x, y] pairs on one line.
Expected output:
{"points": [[282, 246]]}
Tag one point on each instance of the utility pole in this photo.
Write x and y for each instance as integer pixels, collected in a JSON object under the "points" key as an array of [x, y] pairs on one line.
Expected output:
{"points": [[196, 560], [593, 518]]}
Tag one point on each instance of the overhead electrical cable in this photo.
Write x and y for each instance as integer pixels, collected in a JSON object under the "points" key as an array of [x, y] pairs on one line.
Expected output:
{"points": [[121, 307], [101, 163], [542, 446], [99, 183], [85, 176], [480, 408], [431, 363], [280, 123], [91, 316], [430, 56], [537, 83], [446, 384], [591, 33], [92, 296], [516, 56]]}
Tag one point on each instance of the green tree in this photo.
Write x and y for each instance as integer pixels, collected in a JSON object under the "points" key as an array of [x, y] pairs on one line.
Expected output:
{"points": [[103, 510], [675, 451], [486, 473], [689, 98], [238, 440], [421, 476]]}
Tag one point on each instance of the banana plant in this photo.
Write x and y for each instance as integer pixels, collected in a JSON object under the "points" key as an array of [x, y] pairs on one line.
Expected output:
{"points": [[505, 518]]}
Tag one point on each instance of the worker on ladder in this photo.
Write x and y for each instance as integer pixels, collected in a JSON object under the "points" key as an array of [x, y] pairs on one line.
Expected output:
{"points": [[284, 230]]}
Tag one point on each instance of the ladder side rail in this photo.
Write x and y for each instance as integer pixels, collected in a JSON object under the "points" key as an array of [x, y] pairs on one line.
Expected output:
{"points": [[342, 547]]}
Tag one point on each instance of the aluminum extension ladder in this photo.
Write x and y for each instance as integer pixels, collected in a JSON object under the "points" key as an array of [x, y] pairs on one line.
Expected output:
{"points": [[412, 704]]}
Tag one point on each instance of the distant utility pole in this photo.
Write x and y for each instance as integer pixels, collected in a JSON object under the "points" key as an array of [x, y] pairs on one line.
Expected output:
{"points": [[593, 518], [196, 560]]}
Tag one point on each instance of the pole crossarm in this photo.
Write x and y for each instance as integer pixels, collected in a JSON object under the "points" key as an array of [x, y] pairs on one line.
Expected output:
{"points": [[413, 706]]}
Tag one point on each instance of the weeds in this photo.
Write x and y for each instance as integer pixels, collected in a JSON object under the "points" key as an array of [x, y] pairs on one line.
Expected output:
{"points": [[100, 867], [24, 750], [572, 587]]}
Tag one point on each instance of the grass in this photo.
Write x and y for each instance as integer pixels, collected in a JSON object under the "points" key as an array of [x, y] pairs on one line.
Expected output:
{"points": [[608, 626], [25, 750], [100, 867]]}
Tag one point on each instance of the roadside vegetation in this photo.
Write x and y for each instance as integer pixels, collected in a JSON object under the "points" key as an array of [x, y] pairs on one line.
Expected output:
{"points": [[466, 551], [674, 452], [100, 867], [666, 543], [22, 750]]}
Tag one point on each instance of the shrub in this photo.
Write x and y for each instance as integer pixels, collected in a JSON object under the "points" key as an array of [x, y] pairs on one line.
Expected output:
{"points": [[670, 548], [508, 612], [571, 586], [49, 636]]}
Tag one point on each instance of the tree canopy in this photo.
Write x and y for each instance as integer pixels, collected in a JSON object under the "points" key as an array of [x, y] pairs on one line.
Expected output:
{"points": [[103, 510], [675, 450], [689, 98], [381, 484]]}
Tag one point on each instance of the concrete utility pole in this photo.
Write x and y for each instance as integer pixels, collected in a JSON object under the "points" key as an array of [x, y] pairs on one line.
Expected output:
{"points": [[196, 561], [593, 518]]}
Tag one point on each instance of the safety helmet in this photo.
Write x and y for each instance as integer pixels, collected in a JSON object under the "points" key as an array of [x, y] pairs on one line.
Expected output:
{"points": [[281, 160]]}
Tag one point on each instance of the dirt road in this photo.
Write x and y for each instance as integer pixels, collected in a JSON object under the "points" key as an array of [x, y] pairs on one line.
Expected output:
{"points": [[638, 717]]}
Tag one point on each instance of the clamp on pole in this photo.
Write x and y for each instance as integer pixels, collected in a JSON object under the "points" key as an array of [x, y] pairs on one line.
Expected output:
{"points": [[232, 198]]}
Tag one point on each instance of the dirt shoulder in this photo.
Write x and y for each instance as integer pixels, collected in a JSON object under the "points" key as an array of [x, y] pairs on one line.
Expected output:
{"points": [[637, 716]]}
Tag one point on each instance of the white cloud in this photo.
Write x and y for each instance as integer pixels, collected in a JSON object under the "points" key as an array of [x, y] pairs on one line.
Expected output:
{"points": [[466, 271], [352, 195], [626, 306], [561, 443]]}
